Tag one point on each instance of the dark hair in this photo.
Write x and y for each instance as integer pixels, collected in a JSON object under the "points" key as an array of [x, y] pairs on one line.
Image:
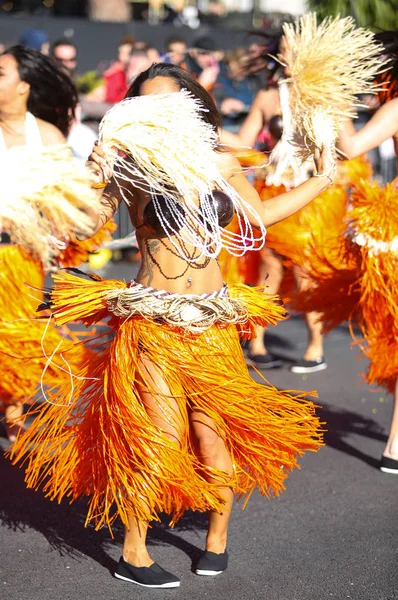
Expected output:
{"points": [[185, 82], [389, 79], [52, 97], [62, 42], [205, 43], [174, 39], [127, 40]]}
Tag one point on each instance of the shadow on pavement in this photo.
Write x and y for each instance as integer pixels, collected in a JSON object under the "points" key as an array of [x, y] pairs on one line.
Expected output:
{"points": [[63, 524], [341, 423]]}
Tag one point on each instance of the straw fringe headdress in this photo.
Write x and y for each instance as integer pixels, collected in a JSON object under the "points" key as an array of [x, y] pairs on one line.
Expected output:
{"points": [[46, 198], [165, 147]]}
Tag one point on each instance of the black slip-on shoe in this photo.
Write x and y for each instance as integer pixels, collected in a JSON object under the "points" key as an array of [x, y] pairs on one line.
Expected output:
{"points": [[263, 361], [309, 366], [389, 465], [150, 577], [212, 564]]}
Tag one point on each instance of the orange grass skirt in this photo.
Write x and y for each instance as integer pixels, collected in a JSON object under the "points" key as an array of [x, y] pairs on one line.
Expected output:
{"points": [[77, 251], [26, 341], [102, 443], [358, 284]]}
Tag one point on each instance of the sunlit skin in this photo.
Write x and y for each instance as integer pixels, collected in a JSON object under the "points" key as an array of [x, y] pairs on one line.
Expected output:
{"points": [[210, 448], [14, 95]]}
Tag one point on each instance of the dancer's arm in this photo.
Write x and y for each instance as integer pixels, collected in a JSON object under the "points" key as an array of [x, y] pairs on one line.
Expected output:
{"points": [[382, 126], [109, 194], [281, 207], [251, 126]]}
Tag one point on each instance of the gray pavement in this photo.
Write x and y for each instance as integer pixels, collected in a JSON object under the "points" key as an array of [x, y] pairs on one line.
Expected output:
{"points": [[332, 534]]}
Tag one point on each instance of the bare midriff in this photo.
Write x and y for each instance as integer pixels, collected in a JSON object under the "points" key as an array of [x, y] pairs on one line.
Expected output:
{"points": [[162, 267]]}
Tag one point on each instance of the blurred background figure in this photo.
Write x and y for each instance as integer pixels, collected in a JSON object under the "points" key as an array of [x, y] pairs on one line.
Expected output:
{"points": [[139, 62], [235, 88], [151, 51], [202, 61], [115, 80], [175, 50], [64, 53], [35, 39]]}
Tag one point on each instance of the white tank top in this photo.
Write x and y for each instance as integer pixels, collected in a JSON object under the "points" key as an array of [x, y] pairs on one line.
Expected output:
{"points": [[32, 133]]}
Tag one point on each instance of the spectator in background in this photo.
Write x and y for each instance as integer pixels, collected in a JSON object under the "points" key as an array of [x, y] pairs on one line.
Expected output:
{"points": [[176, 49], [115, 80], [234, 89], [152, 53], [36, 39], [64, 53], [139, 62], [201, 62]]}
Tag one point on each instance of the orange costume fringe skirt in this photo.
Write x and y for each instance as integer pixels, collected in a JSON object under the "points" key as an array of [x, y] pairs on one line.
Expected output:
{"points": [[320, 223], [182, 351], [31, 348], [355, 278]]}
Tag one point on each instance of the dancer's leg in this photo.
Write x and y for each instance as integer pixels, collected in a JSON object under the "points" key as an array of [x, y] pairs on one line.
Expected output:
{"points": [[165, 413], [314, 349], [212, 452], [13, 420], [271, 271], [391, 449]]}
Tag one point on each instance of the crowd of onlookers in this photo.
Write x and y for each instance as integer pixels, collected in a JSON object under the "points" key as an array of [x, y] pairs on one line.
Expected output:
{"points": [[233, 77]]}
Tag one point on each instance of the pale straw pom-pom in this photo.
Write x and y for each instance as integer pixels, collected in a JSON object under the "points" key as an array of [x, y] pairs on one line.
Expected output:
{"points": [[326, 66], [45, 196], [169, 150]]}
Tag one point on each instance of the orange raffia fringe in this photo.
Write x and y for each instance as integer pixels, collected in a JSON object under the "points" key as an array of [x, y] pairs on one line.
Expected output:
{"points": [[102, 444], [320, 223], [375, 214], [77, 251], [24, 335], [357, 282]]}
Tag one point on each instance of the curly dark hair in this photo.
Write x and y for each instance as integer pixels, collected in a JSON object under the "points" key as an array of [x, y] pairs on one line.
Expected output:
{"points": [[389, 78], [53, 96]]}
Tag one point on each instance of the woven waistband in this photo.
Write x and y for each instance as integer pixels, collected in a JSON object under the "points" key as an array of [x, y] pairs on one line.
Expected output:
{"points": [[191, 311]]}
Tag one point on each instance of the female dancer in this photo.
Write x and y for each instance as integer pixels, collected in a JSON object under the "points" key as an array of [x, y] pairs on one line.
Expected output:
{"points": [[266, 110], [382, 126], [363, 262], [37, 104], [167, 417]]}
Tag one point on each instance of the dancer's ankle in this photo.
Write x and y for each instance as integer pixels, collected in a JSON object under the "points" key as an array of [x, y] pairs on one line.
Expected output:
{"points": [[138, 557], [391, 450], [216, 543]]}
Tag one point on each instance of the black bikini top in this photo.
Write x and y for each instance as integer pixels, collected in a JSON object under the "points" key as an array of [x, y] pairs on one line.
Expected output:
{"points": [[223, 203]]}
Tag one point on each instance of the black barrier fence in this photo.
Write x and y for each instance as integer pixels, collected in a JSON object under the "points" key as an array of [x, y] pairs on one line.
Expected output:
{"points": [[97, 42]]}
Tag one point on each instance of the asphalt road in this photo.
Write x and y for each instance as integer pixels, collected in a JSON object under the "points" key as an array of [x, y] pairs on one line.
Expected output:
{"points": [[332, 534]]}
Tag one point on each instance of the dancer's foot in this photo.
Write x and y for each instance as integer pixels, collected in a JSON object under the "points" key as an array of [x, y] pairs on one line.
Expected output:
{"points": [[263, 361], [151, 577], [389, 465], [309, 366], [211, 563]]}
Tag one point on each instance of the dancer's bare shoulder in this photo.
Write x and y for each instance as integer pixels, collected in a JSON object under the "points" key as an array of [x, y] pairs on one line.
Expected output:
{"points": [[50, 134]]}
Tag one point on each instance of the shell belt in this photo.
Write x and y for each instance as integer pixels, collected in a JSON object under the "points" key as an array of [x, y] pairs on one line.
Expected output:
{"points": [[192, 312]]}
